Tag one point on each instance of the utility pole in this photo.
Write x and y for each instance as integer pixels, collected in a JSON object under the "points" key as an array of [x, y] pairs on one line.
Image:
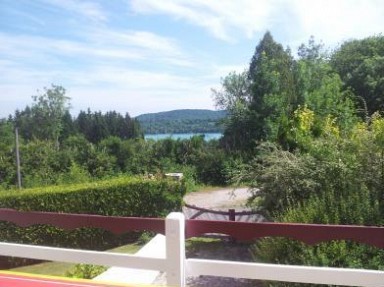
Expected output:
{"points": [[18, 159]]}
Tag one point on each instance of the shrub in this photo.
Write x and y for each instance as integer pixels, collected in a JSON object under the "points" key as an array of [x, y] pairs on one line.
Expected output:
{"points": [[355, 208], [85, 271]]}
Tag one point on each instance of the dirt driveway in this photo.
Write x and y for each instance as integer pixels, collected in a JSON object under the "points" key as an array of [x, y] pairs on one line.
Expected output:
{"points": [[219, 198]]}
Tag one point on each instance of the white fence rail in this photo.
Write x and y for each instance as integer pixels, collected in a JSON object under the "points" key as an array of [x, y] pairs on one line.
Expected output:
{"points": [[177, 267], [81, 256], [286, 273]]}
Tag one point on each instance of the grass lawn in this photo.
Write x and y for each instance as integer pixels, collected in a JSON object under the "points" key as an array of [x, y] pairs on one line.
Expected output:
{"points": [[61, 268]]}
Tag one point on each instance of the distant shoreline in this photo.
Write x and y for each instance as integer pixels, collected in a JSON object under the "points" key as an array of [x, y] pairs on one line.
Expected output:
{"points": [[181, 136]]}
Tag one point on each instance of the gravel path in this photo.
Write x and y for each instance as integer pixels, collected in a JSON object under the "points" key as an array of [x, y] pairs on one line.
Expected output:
{"points": [[219, 199]]}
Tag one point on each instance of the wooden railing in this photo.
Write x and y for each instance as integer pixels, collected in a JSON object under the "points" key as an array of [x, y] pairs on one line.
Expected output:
{"points": [[230, 214], [176, 229]]}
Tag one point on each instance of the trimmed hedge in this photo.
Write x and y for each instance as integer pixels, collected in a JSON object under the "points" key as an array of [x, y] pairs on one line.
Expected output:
{"points": [[121, 196]]}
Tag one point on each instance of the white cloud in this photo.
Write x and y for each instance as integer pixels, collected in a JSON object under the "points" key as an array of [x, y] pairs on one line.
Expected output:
{"points": [[218, 16], [336, 21], [139, 92], [142, 40], [108, 64], [87, 9], [97, 45], [229, 20]]}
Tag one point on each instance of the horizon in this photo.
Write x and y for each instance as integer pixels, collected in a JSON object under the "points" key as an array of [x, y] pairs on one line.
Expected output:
{"points": [[134, 56]]}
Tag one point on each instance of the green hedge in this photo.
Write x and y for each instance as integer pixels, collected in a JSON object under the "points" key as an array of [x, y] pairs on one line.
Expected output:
{"points": [[121, 196], [115, 197]]}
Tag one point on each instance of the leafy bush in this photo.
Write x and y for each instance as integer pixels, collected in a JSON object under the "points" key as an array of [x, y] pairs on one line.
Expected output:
{"points": [[355, 208], [85, 271], [338, 180]]}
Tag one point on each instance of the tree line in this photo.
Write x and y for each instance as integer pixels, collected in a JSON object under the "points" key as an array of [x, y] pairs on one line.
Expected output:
{"points": [[49, 119], [182, 121], [56, 148]]}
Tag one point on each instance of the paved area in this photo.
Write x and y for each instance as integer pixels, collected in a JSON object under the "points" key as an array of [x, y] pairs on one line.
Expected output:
{"points": [[154, 248]]}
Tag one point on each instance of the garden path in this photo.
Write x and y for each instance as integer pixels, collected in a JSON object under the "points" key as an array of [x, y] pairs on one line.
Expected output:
{"points": [[219, 199]]}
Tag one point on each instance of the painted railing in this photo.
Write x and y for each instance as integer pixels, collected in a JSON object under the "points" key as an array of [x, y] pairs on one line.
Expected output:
{"points": [[231, 214], [176, 229]]}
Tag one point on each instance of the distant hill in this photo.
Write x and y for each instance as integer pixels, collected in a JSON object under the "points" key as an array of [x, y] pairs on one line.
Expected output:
{"points": [[182, 121]]}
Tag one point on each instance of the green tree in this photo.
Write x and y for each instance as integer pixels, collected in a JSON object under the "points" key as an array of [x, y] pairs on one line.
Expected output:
{"points": [[68, 127], [360, 64], [7, 154], [319, 90], [23, 120], [96, 126], [261, 101], [234, 97], [273, 89], [48, 111]]}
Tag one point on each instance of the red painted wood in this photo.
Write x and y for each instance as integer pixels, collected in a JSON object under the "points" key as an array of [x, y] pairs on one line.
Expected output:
{"points": [[308, 233], [114, 224], [206, 210], [21, 280]]}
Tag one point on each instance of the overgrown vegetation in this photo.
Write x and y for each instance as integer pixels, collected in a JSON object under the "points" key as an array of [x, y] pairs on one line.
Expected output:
{"points": [[96, 146], [312, 130]]}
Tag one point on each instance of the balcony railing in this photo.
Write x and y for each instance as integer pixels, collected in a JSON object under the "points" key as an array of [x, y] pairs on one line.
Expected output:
{"points": [[176, 229]]}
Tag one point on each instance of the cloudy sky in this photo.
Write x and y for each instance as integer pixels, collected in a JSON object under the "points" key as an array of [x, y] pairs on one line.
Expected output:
{"points": [[141, 56]]}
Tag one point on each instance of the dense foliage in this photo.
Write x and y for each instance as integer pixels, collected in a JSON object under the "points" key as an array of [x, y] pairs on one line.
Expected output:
{"points": [[97, 145], [77, 160], [311, 133], [182, 121], [360, 65]]}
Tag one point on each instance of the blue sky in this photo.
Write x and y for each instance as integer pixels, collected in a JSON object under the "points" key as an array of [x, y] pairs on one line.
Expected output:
{"points": [[141, 56]]}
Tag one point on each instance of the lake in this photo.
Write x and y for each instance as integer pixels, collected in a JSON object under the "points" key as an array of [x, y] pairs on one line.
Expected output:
{"points": [[207, 136]]}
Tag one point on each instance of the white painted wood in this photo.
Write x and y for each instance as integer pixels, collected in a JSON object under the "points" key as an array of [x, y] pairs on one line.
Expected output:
{"points": [[81, 256], [153, 249], [287, 273], [175, 249]]}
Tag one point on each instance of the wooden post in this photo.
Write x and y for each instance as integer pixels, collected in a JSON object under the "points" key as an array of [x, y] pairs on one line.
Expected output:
{"points": [[175, 249], [18, 159], [231, 215]]}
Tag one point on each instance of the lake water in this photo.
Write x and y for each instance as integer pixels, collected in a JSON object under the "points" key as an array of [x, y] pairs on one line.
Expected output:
{"points": [[207, 136]]}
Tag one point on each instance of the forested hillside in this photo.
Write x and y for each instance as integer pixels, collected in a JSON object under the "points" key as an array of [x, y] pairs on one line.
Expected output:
{"points": [[182, 121]]}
